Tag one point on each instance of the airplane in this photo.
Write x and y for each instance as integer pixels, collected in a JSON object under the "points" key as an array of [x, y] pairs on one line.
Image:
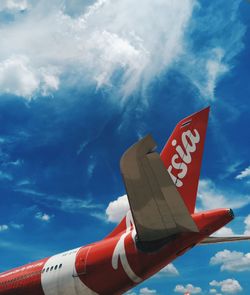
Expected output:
{"points": [[160, 226]]}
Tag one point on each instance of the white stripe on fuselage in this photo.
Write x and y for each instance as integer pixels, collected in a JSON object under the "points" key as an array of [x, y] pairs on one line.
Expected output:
{"points": [[63, 281], [120, 250]]}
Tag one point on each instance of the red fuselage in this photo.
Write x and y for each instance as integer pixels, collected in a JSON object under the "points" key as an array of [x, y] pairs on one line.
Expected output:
{"points": [[111, 266]]}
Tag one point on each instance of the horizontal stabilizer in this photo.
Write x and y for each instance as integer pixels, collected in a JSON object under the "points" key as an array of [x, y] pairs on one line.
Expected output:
{"points": [[216, 240], [157, 207]]}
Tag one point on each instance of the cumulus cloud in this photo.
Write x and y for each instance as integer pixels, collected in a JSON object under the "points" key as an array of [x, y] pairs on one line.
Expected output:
{"points": [[189, 288], [244, 174], [211, 197], [231, 261], [168, 271], [98, 44], [230, 286], [117, 209], [43, 216], [224, 232], [100, 47], [16, 77], [19, 77]]}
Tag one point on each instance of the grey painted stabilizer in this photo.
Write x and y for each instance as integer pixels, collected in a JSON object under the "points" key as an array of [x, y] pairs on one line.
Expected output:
{"points": [[157, 207]]}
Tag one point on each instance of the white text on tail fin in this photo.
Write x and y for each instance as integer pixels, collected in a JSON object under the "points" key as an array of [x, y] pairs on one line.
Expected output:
{"points": [[182, 155]]}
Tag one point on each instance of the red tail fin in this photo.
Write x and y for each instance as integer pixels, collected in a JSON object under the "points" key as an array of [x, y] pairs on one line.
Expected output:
{"points": [[182, 155]]}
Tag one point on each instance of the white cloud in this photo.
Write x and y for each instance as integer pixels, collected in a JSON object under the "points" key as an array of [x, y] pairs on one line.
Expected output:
{"points": [[210, 197], [70, 204], [43, 216], [207, 65], [99, 215], [168, 271], [231, 261], [214, 68], [189, 288], [244, 174], [49, 80], [224, 232], [97, 44], [247, 226], [3, 227], [117, 209], [147, 291], [19, 77], [14, 5], [231, 169], [230, 286], [29, 191]]}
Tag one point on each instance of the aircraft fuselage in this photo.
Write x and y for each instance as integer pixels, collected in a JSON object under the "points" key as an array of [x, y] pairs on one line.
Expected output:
{"points": [[110, 266]]}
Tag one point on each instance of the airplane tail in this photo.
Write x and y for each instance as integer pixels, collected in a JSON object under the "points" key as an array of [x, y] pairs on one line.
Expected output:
{"points": [[182, 155], [162, 189]]}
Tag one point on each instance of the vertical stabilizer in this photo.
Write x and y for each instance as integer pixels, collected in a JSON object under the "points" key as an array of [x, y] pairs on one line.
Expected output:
{"points": [[182, 155]]}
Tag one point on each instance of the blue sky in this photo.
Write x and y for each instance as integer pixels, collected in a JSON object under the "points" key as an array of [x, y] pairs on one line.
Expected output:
{"points": [[80, 81]]}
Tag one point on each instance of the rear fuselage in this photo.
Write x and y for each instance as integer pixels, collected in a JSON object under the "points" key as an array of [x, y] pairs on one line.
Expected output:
{"points": [[111, 266]]}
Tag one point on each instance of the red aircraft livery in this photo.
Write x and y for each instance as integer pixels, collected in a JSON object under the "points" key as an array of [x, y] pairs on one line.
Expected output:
{"points": [[160, 226]]}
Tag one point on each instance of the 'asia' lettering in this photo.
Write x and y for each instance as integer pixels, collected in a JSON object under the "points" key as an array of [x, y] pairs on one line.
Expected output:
{"points": [[182, 158]]}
